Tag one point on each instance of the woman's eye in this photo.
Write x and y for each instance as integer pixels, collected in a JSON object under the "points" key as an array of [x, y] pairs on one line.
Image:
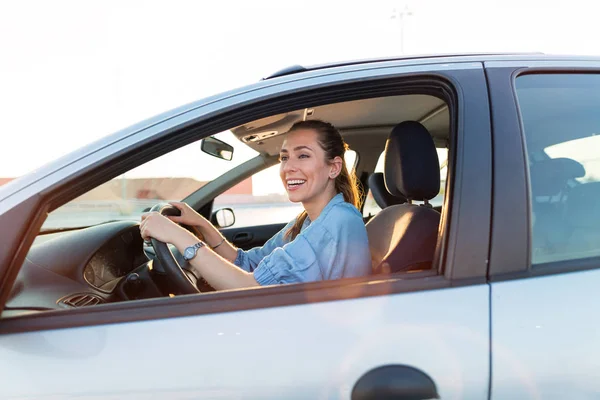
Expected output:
{"points": [[283, 158], [303, 156]]}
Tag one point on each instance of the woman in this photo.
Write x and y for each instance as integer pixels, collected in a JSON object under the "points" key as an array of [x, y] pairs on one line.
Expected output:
{"points": [[328, 240]]}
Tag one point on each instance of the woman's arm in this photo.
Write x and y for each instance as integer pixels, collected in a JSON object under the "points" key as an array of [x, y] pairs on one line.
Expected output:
{"points": [[218, 271], [212, 236], [246, 260]]}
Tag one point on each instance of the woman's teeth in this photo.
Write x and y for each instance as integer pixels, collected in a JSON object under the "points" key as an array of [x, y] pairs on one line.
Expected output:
{"points": [[295, 182]]}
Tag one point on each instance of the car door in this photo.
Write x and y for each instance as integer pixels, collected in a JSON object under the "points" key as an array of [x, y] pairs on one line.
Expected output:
{"points": [[546, 249], [425, 333]]}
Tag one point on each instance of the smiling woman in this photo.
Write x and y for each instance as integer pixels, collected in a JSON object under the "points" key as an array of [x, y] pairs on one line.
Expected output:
{"points": [[316, 152], [328, 240]]}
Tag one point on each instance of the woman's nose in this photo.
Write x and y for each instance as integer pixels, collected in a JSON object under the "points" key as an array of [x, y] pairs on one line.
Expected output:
{"points": [[289, 166]]}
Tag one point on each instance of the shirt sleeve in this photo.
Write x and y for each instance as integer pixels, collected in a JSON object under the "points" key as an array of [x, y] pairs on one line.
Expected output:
{"points": [[249, 259], [295, 262]]}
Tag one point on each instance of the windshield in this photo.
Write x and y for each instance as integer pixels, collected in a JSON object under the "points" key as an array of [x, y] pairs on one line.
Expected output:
{"points": [[171, 177]]}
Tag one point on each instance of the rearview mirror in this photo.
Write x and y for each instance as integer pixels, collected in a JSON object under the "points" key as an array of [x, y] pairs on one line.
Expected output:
{"points": [[217, 148], [223, 218]]}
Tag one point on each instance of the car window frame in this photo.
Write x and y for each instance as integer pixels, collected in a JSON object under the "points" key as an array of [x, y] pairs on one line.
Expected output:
{"points": [[510, 252], [461, 266]]}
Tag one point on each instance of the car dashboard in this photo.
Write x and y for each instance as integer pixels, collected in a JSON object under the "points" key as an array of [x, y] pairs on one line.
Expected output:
{"points": [[83, 267], [115, 259]]}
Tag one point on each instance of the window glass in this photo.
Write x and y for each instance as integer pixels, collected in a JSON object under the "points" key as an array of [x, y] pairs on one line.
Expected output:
{"points": [[371, 207], [562, 132], [262, 198]]}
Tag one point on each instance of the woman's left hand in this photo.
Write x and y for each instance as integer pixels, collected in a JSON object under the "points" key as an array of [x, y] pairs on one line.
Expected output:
{"points": [[154, 225]]}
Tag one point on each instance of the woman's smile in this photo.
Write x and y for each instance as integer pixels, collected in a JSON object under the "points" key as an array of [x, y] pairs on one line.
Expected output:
{"points": [[295, 184]]}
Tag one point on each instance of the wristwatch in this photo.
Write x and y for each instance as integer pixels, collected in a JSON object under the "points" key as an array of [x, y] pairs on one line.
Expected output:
{"points": [[190, 252]]}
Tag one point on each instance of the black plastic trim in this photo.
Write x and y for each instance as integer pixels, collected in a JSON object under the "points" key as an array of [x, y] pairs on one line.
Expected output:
{"points": [[466, 211], [510, 222]]}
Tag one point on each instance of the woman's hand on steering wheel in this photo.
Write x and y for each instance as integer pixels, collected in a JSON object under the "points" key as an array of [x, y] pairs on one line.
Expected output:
{"points": [[157, 226], [188, 215], [159, 230]]}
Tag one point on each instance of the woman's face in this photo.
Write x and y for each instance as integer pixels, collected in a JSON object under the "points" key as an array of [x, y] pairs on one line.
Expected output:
{"points": [[305, 173]]}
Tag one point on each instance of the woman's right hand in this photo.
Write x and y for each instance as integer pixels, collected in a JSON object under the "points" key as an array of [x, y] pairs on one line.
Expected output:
{"points": [[188, 215]]}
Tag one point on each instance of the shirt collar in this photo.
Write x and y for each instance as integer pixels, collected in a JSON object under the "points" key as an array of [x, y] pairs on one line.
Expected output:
{"points": [[338, 198]]}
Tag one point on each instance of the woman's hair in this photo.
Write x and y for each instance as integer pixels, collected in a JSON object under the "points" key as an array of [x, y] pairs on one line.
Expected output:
{"points": [[331, 142]]}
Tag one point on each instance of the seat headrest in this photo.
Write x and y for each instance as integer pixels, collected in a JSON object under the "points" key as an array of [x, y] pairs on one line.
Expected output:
{"points": [[583, 205], [382, 197], [412, 167], [549, 177]]}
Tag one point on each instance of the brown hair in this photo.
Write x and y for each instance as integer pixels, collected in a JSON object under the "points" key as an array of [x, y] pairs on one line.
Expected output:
{"points": [[331, 142]]}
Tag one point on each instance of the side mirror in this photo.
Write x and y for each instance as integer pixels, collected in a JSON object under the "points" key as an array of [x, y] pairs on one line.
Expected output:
{"points": [[223, 218], [217, 148]]}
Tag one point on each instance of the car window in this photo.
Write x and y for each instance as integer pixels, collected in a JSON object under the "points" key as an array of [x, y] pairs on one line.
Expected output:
{"points": [[371, 208], [562, 132], [171, 177], [262, 198]]}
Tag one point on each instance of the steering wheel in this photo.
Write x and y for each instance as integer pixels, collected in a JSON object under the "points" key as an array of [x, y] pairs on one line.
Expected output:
{"points": [[164, 254]]}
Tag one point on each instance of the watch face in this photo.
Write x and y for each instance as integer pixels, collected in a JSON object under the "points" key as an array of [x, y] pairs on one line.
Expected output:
{"points": [[189, 253]]}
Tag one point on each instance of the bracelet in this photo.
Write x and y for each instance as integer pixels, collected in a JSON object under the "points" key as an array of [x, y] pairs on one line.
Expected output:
{"points": [[218, 244]]}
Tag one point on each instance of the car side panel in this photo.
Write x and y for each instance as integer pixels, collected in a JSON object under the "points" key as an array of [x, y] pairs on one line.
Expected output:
{"points": [[315, 351], [544, 330], [545, 337]]}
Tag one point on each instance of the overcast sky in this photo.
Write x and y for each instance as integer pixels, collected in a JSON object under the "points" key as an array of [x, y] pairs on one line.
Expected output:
{"points": [[74, 71]]}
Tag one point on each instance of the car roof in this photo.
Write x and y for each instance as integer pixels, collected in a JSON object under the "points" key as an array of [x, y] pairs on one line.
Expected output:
{"points": [[449, 57]]}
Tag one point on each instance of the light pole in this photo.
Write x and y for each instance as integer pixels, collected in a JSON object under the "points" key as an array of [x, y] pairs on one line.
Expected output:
{"points": [[401, 14]]}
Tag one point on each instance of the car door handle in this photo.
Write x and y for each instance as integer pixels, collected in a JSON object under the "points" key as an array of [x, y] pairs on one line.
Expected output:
{"points": [[242, 237], [395, 382]]}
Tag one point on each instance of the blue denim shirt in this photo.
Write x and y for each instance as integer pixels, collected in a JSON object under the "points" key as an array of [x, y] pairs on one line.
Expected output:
{"points": [[333, 246]]}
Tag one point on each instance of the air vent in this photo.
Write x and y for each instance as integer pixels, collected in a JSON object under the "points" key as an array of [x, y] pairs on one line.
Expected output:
{"points": [[80, 300]]}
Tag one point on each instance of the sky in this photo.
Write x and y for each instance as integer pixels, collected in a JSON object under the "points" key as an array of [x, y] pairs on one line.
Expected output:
{"points": [[74, 71]]}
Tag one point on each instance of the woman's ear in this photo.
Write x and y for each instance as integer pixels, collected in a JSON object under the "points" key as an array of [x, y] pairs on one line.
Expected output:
{"points": [[335, 167]]}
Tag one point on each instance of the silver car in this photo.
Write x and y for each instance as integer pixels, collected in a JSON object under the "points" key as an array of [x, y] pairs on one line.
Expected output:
{"points": [[490, 295]]}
